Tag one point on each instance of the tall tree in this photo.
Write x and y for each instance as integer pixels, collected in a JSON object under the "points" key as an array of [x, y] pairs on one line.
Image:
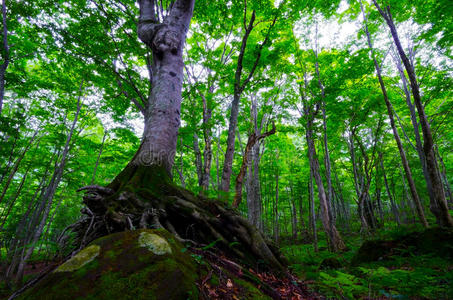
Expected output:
{"points": [[407, 169], [439, 208]]}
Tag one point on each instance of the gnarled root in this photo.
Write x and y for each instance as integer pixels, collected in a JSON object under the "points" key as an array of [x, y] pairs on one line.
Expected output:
{"points": [[196, 220]]}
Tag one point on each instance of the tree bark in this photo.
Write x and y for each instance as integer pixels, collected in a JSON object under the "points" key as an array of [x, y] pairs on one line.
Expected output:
{"points": [[393, 205], [311, 202], [49, 192], [252, 140], [407, 169], [166, 40], [98, 159], [418, 141], [439, 208], [6, 56], [334, 239], [239, 87]]}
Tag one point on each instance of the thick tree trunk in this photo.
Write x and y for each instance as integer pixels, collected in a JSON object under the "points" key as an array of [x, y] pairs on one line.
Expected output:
{"points": [[253, 189], [407, 169], [439, 208], [142, 195], [162, 121]]}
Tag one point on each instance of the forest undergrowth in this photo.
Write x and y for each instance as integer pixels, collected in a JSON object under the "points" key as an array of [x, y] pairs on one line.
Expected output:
{"points": [[404, 274]]}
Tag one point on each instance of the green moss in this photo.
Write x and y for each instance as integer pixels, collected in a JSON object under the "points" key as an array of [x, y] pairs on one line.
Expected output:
{"points": [[249, 291], [154, 243], [124, 270], [80, 259]]}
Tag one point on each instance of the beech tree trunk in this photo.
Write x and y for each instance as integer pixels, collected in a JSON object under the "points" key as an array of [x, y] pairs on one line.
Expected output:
{"points": [[143, 195], [418, 140], [407, 169], [334, 240], [311, 202], [5, 54], [252, 140], [439, 208], [393, 205], [49, 192], [166, 40], [239, 87]]}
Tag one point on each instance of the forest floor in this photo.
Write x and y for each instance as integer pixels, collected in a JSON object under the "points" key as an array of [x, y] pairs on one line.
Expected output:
{"points": [[402, 271], [396, 268]]}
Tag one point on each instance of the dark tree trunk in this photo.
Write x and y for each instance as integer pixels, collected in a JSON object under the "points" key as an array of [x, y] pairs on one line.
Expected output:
{"points": [[99, 158], [393, 205], [407, 169], [239, 87], [311, 201], [439, 208], [252, 140], [5, 54]]}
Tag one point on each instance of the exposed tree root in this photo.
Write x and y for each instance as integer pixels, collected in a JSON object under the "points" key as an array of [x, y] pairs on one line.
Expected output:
{"points": [[144, 197]]}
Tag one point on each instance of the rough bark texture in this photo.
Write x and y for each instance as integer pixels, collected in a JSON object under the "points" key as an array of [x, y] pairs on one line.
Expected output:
{"points": [[439, 208]]}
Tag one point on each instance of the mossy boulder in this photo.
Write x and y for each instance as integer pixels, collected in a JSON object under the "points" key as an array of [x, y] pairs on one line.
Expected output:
{"points": [[331, 263], [140, 264], [436, 240]]}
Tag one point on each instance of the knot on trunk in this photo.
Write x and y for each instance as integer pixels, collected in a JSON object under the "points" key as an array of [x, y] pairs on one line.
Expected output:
{"points": [[159, 37]]}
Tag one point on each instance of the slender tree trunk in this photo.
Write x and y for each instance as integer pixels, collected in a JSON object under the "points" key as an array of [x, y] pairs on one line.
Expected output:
{"points": [[239, 87], [407, 169], [418, 140], [99, 158], [439, 208], [312, 212], [334, 239], [276, 217], [329, 193], [49, 192], [293, 213], [389, 194], [443, 172], [16, 165], [198, 162], [5, 54], [252, 140]]}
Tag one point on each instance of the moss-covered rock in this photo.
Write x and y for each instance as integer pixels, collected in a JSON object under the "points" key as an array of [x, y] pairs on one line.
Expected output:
{"points": [[436, 240], [141, 264], [331, 263]]}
